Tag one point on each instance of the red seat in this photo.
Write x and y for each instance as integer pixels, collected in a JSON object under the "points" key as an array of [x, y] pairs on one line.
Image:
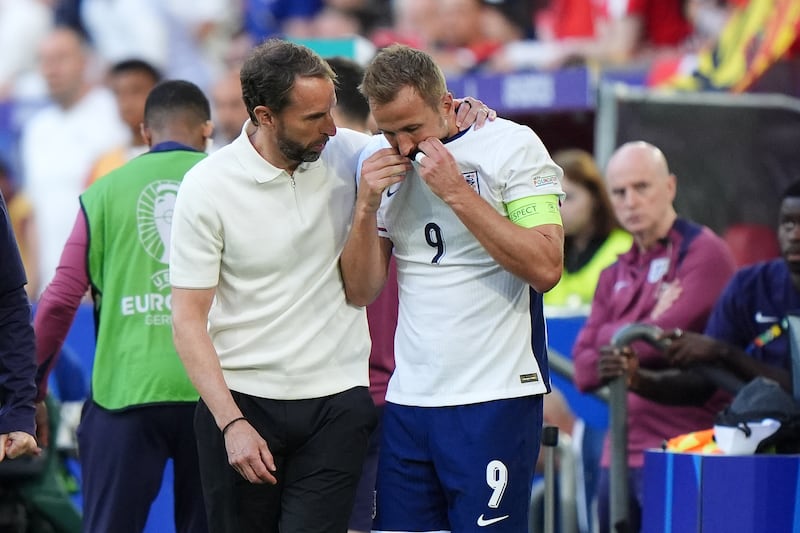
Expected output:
{"points": [[751, 243]]}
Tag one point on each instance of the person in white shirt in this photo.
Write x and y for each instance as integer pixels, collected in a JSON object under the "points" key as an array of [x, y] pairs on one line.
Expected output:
{"points": [[62, 141], [23, 23]]}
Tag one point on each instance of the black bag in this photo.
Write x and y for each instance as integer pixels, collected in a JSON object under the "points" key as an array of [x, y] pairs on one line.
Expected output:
{"points": [[760, 399]]}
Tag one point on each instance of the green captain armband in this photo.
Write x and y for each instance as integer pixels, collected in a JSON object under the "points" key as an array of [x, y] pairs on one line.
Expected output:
{"points": [[533, 211]]}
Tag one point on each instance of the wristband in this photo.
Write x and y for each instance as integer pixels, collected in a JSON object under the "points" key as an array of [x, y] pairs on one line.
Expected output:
{"points": [[229, 424]]}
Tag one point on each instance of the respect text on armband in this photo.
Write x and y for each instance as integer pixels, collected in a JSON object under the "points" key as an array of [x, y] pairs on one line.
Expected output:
{"points": [[530, 210]]}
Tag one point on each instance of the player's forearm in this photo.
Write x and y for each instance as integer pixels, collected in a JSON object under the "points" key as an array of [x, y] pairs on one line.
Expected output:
{"points": [[364, 262], [533, 254]]}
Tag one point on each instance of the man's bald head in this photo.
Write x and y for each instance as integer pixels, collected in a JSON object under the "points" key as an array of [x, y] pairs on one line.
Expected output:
{"points": [[642, 154], [642, 190]]}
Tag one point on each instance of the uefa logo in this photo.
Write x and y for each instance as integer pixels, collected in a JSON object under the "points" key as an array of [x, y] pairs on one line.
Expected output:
{"points": [[154, 217]]}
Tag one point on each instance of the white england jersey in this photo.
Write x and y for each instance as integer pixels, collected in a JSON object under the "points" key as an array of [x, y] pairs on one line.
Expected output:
{"points": [[464, 327]]}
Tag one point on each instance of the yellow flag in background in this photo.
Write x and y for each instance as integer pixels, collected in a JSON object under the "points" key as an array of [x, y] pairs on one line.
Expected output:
{"points": [[753, 39]]}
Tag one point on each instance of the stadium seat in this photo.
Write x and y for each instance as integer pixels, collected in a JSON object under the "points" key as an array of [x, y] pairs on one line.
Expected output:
{"points": [[751, 243]]}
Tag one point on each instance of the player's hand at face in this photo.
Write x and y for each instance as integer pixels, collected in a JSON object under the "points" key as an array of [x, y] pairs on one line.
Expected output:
{"points": [[249, 454], [439, 169], [471, 111], [382, 169]]}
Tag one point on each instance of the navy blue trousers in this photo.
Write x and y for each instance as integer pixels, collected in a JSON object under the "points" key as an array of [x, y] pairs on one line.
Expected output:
{"points": [[123, 455]]}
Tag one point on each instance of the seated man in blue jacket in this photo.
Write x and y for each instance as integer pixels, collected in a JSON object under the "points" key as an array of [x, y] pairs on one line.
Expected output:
{"points": [[748, 332]]}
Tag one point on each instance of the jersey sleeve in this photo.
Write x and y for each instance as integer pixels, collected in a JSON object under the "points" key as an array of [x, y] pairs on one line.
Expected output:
{"points": [[527, 169]]}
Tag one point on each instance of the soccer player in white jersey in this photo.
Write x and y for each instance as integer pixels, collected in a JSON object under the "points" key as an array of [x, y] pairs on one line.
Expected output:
{"points": [[474, 224]]}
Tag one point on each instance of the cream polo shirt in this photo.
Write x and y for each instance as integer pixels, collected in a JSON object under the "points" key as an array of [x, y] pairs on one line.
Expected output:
{"points": [[270, 244]]}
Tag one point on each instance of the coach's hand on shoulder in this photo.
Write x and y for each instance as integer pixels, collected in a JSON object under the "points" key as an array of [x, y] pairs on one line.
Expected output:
{"points": [[471, 111]]}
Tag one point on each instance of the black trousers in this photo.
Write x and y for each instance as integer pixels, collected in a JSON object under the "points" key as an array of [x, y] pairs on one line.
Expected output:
{"points": [[319, 447]]}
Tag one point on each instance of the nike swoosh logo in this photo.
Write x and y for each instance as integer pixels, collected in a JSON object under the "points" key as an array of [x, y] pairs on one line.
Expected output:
{"points": [[390, 192], [765, 319], [483, 522]]}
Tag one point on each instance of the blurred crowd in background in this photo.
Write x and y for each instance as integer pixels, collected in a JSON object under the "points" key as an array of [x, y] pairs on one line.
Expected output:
{"points": [[59, 90], [198, 40]]}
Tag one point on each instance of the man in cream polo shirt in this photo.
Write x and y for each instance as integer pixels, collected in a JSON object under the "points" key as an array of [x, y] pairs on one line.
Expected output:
{"points": [[259, 312]]}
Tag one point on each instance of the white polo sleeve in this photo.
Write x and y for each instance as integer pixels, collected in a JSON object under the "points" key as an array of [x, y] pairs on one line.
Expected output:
{"points": [[196, 238]]}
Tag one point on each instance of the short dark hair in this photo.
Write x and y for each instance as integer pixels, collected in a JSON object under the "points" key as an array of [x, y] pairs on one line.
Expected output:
{"points": [[269, 73], [349, 99], [792, 191], [172, 97], [135, 65]]}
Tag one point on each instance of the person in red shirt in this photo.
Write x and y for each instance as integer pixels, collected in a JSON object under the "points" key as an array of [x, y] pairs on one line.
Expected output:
{"points": [[629, 33], [632, 31]]}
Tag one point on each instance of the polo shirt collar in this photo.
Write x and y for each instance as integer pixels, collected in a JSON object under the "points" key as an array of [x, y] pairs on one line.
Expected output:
{"points": [[261, 170]]}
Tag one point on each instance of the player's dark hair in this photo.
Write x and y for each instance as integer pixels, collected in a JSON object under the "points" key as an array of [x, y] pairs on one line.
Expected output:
{"points": [[172, 97], [135, 65], [349, 99]]}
